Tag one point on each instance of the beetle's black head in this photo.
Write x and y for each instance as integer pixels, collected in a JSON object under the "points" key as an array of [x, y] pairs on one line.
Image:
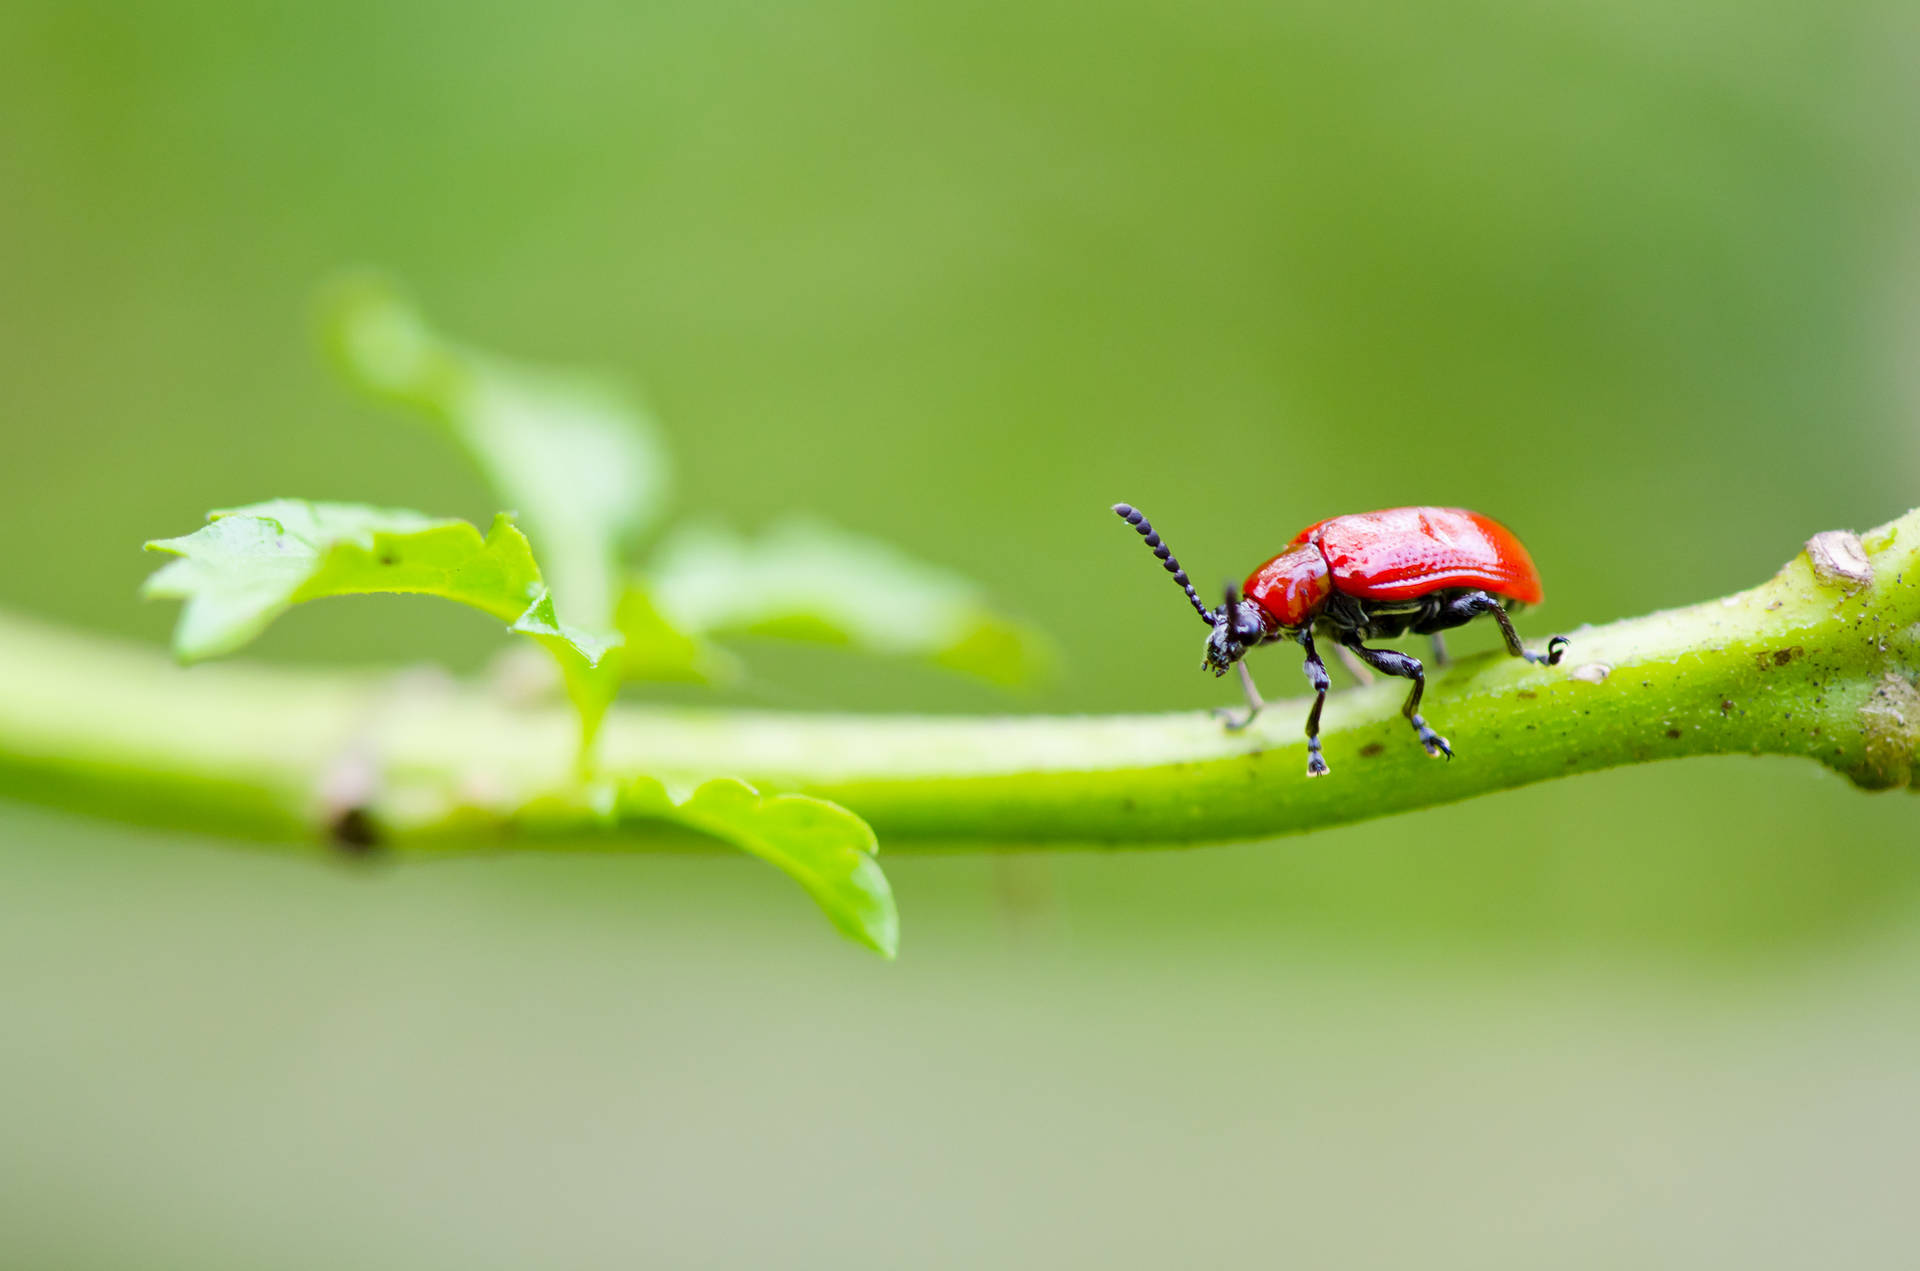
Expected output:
{"points": [[1237, 627]]}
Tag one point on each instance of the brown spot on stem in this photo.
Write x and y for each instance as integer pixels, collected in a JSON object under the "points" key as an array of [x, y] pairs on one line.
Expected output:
{"points": [[348, 787], [353, 833], [1371, 749]]}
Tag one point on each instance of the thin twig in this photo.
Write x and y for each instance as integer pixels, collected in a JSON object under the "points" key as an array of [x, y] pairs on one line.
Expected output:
{"points": [[1821, 662]]}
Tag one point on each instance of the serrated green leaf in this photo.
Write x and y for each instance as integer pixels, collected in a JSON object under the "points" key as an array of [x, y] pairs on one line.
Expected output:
{"points": [[583, 466], [820, 845], [807, 581], [249, 565]]}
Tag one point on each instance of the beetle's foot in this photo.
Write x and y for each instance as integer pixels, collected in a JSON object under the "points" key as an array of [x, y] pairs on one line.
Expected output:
{"points": [[1436, 744], [1556, 649], [1316, 764], [1234, 720]]}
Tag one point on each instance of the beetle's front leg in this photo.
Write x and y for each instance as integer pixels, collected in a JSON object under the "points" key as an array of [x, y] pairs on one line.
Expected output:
{"points": [[1317, 677], [1255, 704]]}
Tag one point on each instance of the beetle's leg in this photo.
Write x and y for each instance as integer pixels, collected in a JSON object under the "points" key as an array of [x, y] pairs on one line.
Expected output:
{"points": [[1254, 702], [1389, 662], [1355, 667], [1430, 621], [1465, 608], [1317, 677]]}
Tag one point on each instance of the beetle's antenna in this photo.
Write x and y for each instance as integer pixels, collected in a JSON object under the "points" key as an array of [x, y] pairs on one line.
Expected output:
{"points": [[1230, 607], [1133, 517]]}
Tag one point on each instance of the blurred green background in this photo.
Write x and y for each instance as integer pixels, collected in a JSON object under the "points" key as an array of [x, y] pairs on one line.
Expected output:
{"points": [[1638, 279]]}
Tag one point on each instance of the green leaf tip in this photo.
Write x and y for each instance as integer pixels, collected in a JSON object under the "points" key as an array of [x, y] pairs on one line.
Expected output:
{"points": [[820, 845], [249, 565], [585, 465], [540, 621], [803, 580]]}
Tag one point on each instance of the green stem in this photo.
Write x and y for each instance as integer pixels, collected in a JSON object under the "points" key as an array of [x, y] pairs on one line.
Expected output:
{"points": [[1817, 662]]}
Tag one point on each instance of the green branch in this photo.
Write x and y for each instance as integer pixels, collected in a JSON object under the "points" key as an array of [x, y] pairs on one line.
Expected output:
{"points": [[1821, 662]]}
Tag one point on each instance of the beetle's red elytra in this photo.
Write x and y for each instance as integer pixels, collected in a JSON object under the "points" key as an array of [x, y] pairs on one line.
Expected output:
{"points": [[1367, 576]]}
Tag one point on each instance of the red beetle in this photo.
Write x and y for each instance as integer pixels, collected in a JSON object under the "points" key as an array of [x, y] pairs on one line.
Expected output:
{"points": [[1372, 576]]}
